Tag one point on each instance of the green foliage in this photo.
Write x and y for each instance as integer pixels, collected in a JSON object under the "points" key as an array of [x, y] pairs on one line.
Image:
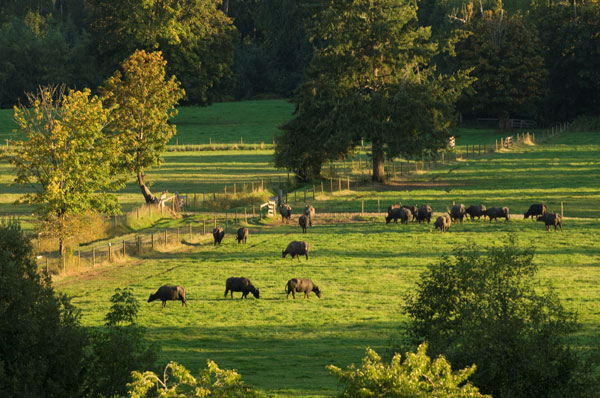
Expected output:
{"points": [[179, 382], [118, 349], [42, 346], [506, 54], [66, 157], [144, 102], [370, 77], [195, 37], [415, 377], [485, 306]]}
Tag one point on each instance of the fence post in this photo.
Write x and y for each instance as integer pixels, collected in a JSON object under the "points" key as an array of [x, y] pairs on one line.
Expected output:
{"points": [[79, 258], [178, 240], [94, 257], [362, 207], [165, 237], [245, 216], [348, 181], [190, 232], [138, 242], [331, 185], [215, 221], [561, 209], [109, 252], [204, 227], [321, 187], [152, 237], [378, 208]]}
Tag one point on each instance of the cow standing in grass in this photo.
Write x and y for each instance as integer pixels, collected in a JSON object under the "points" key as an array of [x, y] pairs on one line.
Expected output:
{"points": [[537, 209], [551, 219], [424, 214], [443, 222], [303, 221], [309, 212], [218, 234], [242, 235], [476, 211], [286, 213], [301, 285], [243, 285], [498, 212], [296, 249], [169, 292], [458, 212]]}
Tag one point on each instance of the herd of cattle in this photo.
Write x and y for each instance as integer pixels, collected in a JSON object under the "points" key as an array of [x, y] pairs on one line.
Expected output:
{"points": [[395, 212], [458, 212]]}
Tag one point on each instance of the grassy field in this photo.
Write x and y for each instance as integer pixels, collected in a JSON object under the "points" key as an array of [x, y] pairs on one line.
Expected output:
{"points": [[364, 270]]}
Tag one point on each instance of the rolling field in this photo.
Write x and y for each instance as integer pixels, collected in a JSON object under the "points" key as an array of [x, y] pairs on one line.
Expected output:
{"points": [[363, 266], [364, 270]]}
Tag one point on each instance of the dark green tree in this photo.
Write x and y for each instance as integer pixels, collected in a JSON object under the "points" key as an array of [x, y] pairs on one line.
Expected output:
{"points": [[118, 349], [42, 349], [506, 56], [570, 45], [370, 77], [196, 38], [485, 306]]}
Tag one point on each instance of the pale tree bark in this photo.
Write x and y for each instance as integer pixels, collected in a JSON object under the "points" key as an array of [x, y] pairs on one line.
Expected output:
{"points": [[378, 162]]}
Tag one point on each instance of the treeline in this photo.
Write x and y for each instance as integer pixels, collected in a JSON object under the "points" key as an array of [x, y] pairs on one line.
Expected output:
{"points": [[531, 59]]}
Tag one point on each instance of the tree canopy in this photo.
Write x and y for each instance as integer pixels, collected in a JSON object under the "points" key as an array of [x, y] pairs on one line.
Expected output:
{"points": [[144, 100], [370, 77], [66, 156], [486, 306]]}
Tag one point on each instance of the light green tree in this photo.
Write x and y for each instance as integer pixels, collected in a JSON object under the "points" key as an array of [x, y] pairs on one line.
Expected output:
{"points": [[177, 381], [415, 377], [65, 158], [144, 101]]}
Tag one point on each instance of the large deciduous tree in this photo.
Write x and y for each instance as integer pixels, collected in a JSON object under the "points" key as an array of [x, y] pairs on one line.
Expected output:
{"points": [[194, 36], [486, 306], [144, 101], [65, 157], [370, 77], [505, 52]]}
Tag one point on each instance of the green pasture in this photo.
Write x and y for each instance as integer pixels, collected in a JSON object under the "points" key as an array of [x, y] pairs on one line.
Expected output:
{"points": [[364, 269]]}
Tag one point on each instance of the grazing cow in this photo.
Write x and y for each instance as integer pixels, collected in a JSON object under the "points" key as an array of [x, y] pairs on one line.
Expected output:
{"points": [[304, 285], [498, 212], [443, 222], [242, 235], [414, 211], [169, 292], [309, 212], [406, 215], [303, 221], [218, 234], [296, 248], [240, 285], [424, 214], [476, 211], [457, 212], [394, 214], [537, 209], [286, 212], [551, 219], [392, 207]]}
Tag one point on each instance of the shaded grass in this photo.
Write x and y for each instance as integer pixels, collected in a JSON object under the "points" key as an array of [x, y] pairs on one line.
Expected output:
{"points": [[364, 269]]}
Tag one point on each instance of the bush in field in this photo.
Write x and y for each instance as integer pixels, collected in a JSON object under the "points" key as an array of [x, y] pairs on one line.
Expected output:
{"points": [[485, 306], [179, 382], [118, 349], [41, 341], [416, 377]]}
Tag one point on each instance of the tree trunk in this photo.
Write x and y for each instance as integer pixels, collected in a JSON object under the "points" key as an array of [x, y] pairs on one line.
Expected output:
{"points": [[378, 162], [145, 190]]}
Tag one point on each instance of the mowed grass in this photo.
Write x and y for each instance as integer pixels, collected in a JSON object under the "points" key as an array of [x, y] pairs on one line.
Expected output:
{"points": [[365, 269], [565, 169]]}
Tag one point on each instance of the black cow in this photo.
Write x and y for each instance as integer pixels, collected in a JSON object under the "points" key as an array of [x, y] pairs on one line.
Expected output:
{"points": [[551, 219], [476, 211], [304, 285], [309, 212], [498, 212], [414, 211], [243, 285], [392, 207], [537, 209], [406, 215], [424, 214], [242, 235], [457, 212], [443, 222], [296, 248], [394, 214], [169, 292], [218, 234], [286, 212], [303, 221]]}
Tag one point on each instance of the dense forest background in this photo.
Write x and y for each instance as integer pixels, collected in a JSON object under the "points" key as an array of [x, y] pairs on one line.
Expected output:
{"points": [[532, 59]]}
